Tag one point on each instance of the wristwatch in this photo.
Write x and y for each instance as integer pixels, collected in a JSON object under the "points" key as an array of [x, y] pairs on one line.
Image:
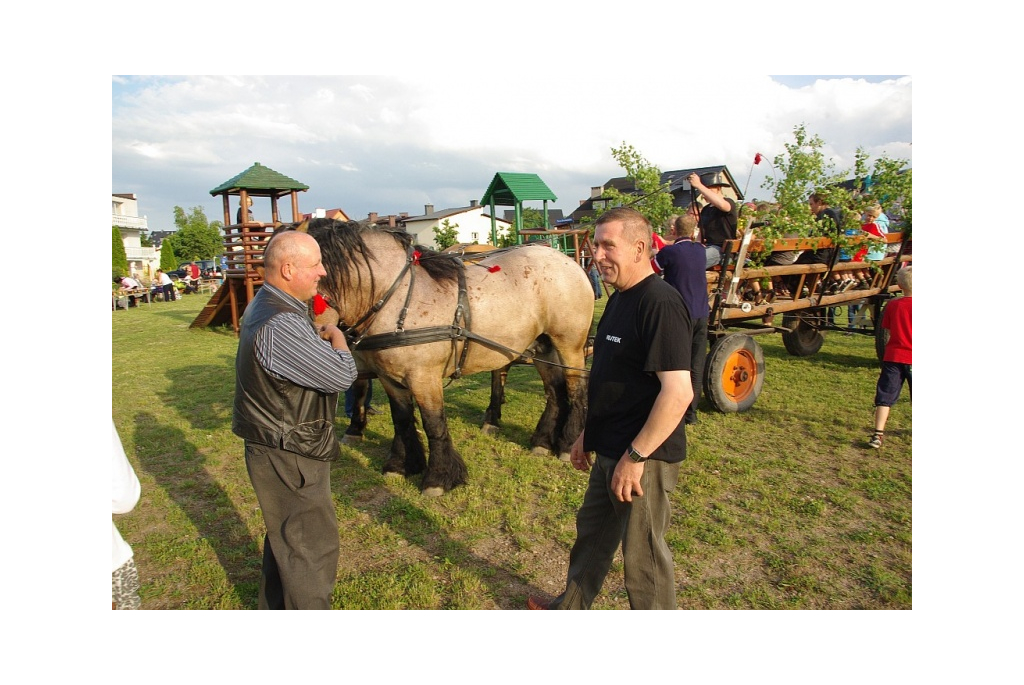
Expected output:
{"points": [[636, 456]]}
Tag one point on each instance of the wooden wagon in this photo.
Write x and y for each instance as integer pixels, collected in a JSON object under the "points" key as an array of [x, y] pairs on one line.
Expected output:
{"points": [[734, 369]]}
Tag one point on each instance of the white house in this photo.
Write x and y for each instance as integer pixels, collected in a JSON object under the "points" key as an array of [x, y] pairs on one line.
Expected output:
{"points": [[474, 224], [142, 261]]}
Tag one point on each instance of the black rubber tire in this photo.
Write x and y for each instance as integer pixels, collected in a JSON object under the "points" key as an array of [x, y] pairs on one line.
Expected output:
{"points": [[734, 373], [804, 340], [881, 334]]}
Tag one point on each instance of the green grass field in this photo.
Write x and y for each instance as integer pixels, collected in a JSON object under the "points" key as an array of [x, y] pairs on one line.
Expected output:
{"points": [[780, 507]]}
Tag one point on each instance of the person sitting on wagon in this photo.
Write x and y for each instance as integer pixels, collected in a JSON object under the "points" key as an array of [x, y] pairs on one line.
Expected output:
{"points": [[718, 218], [830, 219]]}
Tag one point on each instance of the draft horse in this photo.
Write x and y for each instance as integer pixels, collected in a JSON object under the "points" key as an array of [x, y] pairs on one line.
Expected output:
{"points": [[415, 317]]}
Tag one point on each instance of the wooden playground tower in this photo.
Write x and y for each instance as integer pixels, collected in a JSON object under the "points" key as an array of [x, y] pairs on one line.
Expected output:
{"points": [[245, 240]]}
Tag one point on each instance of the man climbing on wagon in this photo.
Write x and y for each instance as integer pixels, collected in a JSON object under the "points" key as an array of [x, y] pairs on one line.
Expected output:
{"points": [[718, 218]]}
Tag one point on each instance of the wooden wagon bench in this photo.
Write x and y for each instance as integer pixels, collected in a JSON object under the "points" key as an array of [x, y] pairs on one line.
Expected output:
{"points": [[734, 368]]}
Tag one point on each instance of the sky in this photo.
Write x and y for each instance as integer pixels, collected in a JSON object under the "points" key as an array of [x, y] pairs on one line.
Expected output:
{"points": [[392, 144]]}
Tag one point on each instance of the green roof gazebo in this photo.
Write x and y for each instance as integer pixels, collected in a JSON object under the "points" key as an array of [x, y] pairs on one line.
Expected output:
{"points": [[510, 189]]}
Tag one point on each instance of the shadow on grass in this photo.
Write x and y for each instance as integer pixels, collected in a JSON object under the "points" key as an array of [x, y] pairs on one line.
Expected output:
{"points": [[201, 396], [410, 517], [180, 470]]}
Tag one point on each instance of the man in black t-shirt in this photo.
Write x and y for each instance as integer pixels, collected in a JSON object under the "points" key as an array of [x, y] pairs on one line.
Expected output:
{"points": [[638, 391]]}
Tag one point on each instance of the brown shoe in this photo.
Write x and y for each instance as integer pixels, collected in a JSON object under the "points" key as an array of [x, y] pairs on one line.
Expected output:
{"points": [[537, 603]]}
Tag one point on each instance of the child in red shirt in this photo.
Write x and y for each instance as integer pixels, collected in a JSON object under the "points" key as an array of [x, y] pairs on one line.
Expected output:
{"points": [[896, 366]]}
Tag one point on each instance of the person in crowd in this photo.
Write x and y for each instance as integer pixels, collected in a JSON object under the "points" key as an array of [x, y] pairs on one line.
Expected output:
{"points": [[718, 218], [638, 392], [248, 211], [682, 266], [896, 361], [124, 589], [830, 220], [289, 374], [166, 285], [595, 279]]}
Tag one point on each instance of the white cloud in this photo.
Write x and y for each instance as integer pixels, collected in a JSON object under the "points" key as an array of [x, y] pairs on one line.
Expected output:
{"points": [[384, 143]]}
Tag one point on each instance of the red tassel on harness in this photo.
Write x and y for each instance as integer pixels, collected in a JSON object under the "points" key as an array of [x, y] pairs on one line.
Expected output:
{"points": [[494, 269], [415, 256], [319, 305]]}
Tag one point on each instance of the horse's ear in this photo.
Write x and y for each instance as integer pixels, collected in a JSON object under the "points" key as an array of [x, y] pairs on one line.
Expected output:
{"points": [[304, 226]]}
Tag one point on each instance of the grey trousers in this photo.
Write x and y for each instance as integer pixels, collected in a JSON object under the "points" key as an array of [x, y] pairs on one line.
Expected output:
{"points": [[603, 523], [301, 548]]}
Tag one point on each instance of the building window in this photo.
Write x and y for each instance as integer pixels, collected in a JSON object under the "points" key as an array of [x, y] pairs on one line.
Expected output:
{"points": [[475, 237]]}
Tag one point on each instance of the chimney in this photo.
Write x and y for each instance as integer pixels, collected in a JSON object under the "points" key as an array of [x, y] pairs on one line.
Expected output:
{"points": [[404, 215], [596, 191], [373, 217], [428, 209], [391, 220], [473, 203]]}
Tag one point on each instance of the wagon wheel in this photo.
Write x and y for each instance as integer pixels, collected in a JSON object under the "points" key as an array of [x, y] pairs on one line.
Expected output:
{"points": [[734, 373], [881, 334], [803, 339]]}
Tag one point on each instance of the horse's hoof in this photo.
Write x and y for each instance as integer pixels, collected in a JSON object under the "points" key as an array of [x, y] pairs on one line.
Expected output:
{"points": [[349, 439], [489, 429], [564, 456], [433, 492], [540, 451]]}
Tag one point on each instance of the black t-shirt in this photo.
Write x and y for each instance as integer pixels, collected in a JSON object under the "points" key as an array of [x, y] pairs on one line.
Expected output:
{"points": [[643, 330], [717, 226]]}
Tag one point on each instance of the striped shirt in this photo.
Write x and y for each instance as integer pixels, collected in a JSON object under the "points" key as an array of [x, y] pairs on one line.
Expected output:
{"points": [[289, 347]]}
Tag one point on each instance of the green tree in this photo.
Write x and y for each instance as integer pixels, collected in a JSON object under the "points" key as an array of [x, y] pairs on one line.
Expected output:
{"points": [[446, 235], [168, 259], [533, 218], [805, 170], [119, 259], [196, 238], [652, 198]]}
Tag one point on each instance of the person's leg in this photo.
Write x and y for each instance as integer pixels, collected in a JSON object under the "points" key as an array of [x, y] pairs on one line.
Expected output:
{"points": [[881, 416], [350, 401], [698, 353], [599, 531], [887, 391], [124, 588], [294, 494], [647, 560], [712, 256]]}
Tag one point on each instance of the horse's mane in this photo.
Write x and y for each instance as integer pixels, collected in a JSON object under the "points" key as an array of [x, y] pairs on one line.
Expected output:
{"points": [[343, 242]]}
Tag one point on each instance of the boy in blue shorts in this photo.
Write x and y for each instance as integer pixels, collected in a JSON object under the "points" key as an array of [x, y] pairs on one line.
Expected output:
{"points": [[896, 366]]}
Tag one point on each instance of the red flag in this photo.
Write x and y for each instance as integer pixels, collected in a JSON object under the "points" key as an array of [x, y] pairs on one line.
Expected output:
{"points": [[757, 158]]}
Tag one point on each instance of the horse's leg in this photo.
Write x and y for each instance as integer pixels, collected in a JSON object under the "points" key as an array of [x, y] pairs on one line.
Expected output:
{"points": [[565, 410], [492, 418], [445, 469], [359, 391], [543, 441], [571, 384], [407, 457]]}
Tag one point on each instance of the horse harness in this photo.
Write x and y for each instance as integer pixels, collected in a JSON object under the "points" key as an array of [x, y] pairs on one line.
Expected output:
{"points": [[459, 330]]}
